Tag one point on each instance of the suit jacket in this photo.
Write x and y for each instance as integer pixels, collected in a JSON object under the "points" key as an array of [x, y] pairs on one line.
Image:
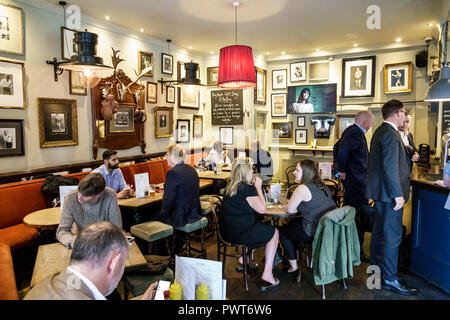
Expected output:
{"points": [[61, 286], [411, 141], [353, 156], [389, 170], [181, 200]]}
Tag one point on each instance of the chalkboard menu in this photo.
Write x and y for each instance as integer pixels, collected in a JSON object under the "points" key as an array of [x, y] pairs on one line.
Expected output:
{"points": [[445, 117], [227, 107]]}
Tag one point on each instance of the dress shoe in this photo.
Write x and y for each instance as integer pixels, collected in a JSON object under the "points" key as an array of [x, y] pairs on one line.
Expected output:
{"points": [[397, 286]]}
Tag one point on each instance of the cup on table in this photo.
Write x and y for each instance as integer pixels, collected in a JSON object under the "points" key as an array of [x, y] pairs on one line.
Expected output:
{"points": [[152, 190]]}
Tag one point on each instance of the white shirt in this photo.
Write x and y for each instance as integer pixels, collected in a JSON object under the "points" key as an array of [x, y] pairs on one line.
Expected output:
{"points": [[404, 135], [97, 294], [215, 157], [303, 107]]}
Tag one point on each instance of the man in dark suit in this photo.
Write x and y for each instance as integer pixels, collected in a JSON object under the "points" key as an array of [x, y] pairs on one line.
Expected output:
{"points": [[408, 140], [388, 186], [352, 163]]}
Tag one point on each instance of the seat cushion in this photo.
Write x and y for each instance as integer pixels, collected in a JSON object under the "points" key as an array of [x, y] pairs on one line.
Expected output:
{"points": [[151, 230], [138, 283], [206, 207], [18, 236], [8, 289], [190, 227]]}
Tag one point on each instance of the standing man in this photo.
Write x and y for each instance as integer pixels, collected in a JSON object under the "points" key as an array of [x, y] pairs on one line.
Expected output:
{"points": [[407, 138], [352, 165], [388, 186], [113, 175], [262, 162]]}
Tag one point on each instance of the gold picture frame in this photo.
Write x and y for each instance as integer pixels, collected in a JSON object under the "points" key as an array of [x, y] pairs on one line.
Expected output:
{"points": [[123, 120], [12, 37], [58, 122], [145, 59], [398, 77], [163, 122]]}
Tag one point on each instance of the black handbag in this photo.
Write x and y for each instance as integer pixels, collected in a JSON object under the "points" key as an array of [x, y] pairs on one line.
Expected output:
{"points": [[367, 217]]}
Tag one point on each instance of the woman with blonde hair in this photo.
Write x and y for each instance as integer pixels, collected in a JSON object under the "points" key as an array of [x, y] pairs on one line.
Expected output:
{"points": [[243, 198]]}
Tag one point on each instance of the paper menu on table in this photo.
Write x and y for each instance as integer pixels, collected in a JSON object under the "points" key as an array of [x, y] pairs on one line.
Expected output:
{"points": [[142, 183], [191, 272], [63, 191], [325, 170], [275, 192]]}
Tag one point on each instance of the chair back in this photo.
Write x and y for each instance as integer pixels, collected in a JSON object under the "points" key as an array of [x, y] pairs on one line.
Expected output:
{"points": [[216, 208], [334, 188], [291, 190], [289, 173]]}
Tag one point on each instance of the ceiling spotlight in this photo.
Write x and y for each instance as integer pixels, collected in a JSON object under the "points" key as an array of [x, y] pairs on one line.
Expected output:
{"points": [[267, 53], [211, 52], [283, 53], [429, 24], [107, 17], [190, 47], [141, 30], [398, 39], [317, 49], [355, 45]]}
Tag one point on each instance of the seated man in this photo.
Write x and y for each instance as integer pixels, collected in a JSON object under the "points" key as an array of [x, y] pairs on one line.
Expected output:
{"points": [[262, 162], [96, 266], [113, 175], [218, 155], [90, 202]]}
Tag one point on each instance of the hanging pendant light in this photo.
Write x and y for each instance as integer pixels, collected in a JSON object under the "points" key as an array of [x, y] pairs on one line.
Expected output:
{"points": [[236, 67]]}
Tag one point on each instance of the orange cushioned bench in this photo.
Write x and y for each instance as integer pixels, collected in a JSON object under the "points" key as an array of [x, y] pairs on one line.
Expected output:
{"points": [[8, 288]]}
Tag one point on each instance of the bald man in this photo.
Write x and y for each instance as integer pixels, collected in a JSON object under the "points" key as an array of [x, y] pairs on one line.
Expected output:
{"points": [[352, 166]]}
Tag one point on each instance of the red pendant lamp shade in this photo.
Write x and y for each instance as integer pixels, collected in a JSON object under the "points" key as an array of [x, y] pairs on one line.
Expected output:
{"points": [[236, 68]]}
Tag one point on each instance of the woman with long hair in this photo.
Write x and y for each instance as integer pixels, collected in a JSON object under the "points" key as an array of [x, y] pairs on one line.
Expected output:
{"points": [[303, 105], [311, 199], [243, 198]]}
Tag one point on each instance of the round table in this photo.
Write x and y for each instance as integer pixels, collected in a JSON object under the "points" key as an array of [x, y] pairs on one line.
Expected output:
{"points": [[43, 219], [277, 211]]}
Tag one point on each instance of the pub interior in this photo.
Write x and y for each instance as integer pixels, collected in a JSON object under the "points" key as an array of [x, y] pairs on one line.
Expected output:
{"points": [[205, 116]]}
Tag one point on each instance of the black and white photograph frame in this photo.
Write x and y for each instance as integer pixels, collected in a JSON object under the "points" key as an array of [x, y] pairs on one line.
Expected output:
{"points": [[319, 71], [145, 59], [163, 122], [67, 36], [279, 79], [261, 86], [282, 130], [12, 89], [358, 77], [278, 105], [77, 85], [398, 77], [301, 121], [212, 76], [226, 135], [123, 120], [152, 92], [11, 138], [12, 32], [301, 136], [183, 131], [166, 63], [297, 71], [170, 94], [197, 126]]}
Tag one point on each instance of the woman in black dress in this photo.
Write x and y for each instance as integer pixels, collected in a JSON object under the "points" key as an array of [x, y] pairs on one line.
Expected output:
{"points": [[243, 199]]}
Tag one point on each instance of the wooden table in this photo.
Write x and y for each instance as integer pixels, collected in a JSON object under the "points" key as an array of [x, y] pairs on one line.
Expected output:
{"points": [[54, 258], [43, 219], [211, 175], [277, 211]]}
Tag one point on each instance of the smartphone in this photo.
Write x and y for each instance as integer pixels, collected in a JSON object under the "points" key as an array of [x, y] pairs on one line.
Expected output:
{"points": [[130, 239], [162, 286]]}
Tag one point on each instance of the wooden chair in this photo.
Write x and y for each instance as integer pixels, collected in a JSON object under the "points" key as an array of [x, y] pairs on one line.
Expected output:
{"points": [[289, 173]]}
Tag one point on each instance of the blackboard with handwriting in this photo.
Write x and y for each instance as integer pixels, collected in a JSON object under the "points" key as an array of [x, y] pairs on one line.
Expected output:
{"points": [[227, 107]]}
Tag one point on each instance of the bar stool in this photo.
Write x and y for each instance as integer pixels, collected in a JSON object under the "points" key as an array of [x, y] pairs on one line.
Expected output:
{"points": [[189, 228], [151, 231]]}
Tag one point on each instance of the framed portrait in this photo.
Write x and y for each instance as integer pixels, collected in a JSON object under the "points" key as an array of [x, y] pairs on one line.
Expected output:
{"points": [[67, 49], [12, 89], [145, 59], [123, 120], [152, 92], [300, 121], [58, 123], [170, 95], [301, 136], [163, 122], [11, 138], [398, 77], [282, 130], [181, 71], [322, 126], [183, 130], [261, 86], [212, 75], [197, 126], [279, 79], [12, 34], [279, 105], [166, 63], [226, 135], [77, 84], [319, 71], [189, 97], [343, 122], [312, 98], [358, 77], [297, 71]]}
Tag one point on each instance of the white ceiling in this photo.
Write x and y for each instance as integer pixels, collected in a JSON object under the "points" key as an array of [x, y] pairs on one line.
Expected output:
{"points": [[271, 26]]}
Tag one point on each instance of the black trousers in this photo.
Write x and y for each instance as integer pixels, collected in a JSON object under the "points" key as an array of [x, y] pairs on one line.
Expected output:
{"points": [[291, 235], [386, 239], [354, 196]]}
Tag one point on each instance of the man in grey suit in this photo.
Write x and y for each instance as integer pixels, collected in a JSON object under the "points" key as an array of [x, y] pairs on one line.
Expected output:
{"points": [[388, 185]]}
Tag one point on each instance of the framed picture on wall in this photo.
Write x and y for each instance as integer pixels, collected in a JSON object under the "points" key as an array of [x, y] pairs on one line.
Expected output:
{"points": [[319, 71], [226, 135], [123, 120], [298, 71], [300, 121], [197, 126], [145, 59], [163, 122], [279, 79], [398, 77], [261, 86], [181, 71], [77, 84], [67, 36], [282, 130], [152, 92], [301, 136], [166, 63], [189, 97], [212, 75], [12, 34], [11, 138], [279, 105], [183, 130], [58, 123], [343, 122], [12, 89], [358, 77], [170, 95]]}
